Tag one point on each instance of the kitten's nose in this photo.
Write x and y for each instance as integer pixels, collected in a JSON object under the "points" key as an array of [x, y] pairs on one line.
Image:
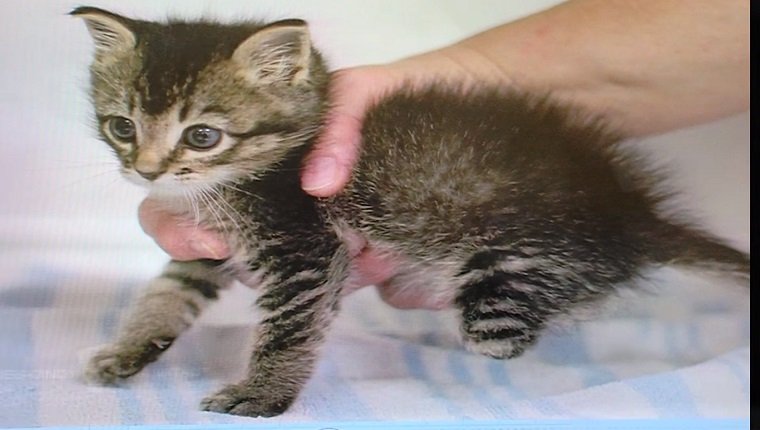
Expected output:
{"points": [[149, 165], [148, 175]]}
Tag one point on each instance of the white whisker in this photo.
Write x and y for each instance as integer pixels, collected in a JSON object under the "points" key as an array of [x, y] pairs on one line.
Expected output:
{"points": [[203, 198], [214, 209], [231, 186], [190, 197], [227, 208]]}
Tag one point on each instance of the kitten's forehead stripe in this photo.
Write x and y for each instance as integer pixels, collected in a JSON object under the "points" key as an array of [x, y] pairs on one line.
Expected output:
{"points": [[266, 127], [132, 102], [184, 110], [174, 54], [215, 109]]}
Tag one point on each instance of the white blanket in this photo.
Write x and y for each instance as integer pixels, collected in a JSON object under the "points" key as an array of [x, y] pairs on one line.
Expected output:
{"points": [[682, 353]]}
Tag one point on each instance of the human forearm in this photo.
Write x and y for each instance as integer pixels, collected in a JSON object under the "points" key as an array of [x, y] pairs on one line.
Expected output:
{"points": [[648, 66]]}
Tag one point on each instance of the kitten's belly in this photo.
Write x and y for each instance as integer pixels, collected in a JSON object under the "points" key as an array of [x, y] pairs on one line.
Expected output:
{"points": [[403, 282]]}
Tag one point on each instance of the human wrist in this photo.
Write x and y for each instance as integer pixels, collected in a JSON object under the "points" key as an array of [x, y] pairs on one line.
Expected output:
{"points": [[529, 61]]}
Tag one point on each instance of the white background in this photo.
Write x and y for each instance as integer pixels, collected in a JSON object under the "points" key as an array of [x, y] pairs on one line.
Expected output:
{"points": [[60, 187]]}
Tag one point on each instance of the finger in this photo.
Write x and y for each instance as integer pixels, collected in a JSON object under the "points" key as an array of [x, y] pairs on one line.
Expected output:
{"points": [[328, 167], [150, 216]]}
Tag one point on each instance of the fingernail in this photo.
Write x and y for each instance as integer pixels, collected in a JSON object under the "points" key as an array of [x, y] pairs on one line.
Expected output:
{"points": [[319, 174], [205, 250]]}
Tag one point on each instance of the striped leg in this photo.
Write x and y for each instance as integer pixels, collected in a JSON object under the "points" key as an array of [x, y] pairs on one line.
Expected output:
{"points": [[505, 303], [299, 306], [167, 306]]}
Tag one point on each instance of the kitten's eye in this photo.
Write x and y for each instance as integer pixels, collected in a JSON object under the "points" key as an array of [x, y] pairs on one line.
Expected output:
{"points": [[122, 128], [202, 136]]}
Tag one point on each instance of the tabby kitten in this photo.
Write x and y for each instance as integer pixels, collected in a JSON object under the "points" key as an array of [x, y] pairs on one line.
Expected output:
{"points": [[500, 204]]}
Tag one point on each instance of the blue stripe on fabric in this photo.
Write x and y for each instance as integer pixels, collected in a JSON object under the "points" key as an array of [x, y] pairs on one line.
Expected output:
{"points": [[129, 405], [458, 367], [667, 394], [167, 393], [569, 348], [499, 373], [671, 343], [347, 402], [694, 333], [200, 383], [607, 424], [645, 327], [37, 294], [417, 370], [19, 390], [549, 407]]}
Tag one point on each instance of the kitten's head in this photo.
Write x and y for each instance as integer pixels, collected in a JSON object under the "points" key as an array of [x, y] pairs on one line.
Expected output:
{"points": [[193, 104]]}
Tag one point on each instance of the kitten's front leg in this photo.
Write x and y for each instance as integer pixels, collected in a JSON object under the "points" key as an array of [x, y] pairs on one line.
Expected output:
{"points": [[299, 307], [167, 306]]}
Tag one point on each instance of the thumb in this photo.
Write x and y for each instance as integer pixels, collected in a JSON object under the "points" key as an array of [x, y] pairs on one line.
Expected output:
{"points": [[328, 167]]}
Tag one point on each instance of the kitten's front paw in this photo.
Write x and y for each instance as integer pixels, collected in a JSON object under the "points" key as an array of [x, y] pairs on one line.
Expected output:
{"points": [[116, 362], [239, 399]]}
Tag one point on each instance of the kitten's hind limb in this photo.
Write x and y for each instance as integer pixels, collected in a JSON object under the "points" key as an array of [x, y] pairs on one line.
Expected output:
{"points": [[163, 310], [505, 302]]}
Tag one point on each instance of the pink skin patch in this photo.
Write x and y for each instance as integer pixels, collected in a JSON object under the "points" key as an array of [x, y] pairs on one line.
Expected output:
{"points": [[179, 238], [373, 267], [367, 266], [370, 267]]}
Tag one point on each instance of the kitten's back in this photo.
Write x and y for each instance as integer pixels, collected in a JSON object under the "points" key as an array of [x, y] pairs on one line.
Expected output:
{"points": [[446, 168], [449, 152]]}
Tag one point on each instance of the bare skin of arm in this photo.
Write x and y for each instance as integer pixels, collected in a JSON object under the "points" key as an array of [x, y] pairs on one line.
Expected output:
{"points": [[647, 66]]}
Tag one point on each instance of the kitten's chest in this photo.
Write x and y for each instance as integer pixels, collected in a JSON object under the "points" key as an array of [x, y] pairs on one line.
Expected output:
{"points": [[404, 276], [262, 220], [253, 224]]}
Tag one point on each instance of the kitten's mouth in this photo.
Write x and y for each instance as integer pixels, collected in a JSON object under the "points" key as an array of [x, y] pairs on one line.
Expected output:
{"points": [[162, 184], [171, 186]]}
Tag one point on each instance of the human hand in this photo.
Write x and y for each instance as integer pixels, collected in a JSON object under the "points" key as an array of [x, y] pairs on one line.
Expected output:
{"points": [[328, 166], [353, 90], [180, 238]]}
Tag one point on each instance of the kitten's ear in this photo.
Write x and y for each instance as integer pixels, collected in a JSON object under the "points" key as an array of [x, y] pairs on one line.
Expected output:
{"points": [[280, 52], [110, 32]]}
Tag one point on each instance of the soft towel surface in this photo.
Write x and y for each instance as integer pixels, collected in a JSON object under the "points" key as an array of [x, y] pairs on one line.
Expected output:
{"points": [[682, 353]]}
